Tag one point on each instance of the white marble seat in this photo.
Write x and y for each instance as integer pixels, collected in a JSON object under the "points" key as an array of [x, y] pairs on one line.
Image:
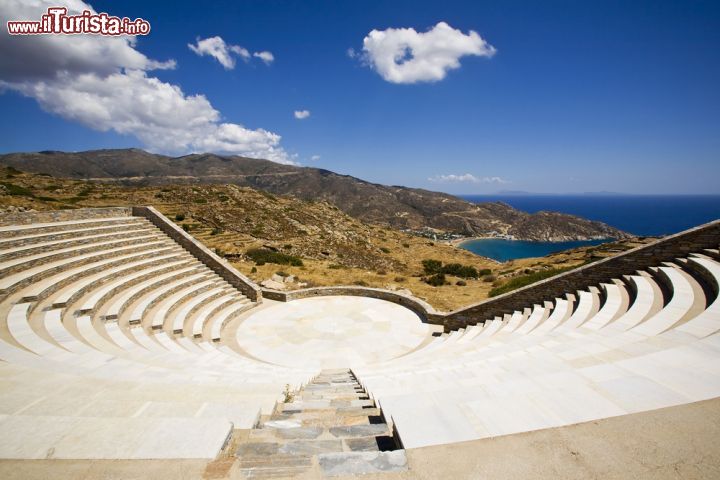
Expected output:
{"points": [[648, 301], [94, 287], [76, 251], [176, 322], [118, 302], [43, 235], [193, 324], [687, 301], [10, 281], [51, 246], [160, 312], [139, 308], [10, 231], [42, 287], [588, 304], [707, 322], [616, 304], [211, 328]]}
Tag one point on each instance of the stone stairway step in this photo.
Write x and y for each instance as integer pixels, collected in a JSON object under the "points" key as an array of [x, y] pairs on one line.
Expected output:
{"points": [[310, 447], [359, 463], [364, 444], [332, 417], [371, 429], [274, 466]]}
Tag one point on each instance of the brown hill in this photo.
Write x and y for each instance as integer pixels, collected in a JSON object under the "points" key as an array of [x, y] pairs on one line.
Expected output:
{"points": [[395, 206]]}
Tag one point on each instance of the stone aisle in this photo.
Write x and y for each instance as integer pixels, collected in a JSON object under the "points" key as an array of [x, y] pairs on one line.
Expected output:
{"points": [[330, 425]]}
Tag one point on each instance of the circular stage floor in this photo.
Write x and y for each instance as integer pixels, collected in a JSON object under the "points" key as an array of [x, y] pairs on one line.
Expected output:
{"points": [[330, 332]]}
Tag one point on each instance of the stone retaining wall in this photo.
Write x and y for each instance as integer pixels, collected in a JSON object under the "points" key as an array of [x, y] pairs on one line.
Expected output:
{"points": [[201, 252], [423, 309], [48, 216]]}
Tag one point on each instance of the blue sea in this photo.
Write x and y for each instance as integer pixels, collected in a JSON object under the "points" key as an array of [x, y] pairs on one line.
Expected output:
{"points": [[643, 215]]}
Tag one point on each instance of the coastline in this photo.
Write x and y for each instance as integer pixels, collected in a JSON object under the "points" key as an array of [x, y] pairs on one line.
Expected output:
{"points": [[459, 241]]}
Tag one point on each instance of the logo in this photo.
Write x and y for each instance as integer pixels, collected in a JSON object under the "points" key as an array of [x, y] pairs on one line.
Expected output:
{"points": [[56, 21]]}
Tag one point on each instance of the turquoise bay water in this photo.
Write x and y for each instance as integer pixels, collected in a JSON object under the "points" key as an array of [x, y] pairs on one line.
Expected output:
{"points": [[504, 250]]}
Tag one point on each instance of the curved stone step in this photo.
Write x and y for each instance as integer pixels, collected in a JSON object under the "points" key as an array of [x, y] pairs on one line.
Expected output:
{"points": [[616, 304], [686, 302]]}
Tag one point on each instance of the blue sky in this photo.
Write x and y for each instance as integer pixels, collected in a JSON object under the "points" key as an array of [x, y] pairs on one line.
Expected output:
{"points": [[578, 96]]}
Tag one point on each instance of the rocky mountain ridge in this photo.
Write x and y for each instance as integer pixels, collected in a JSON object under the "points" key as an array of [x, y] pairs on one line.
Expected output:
{"points": [[393, 206]]}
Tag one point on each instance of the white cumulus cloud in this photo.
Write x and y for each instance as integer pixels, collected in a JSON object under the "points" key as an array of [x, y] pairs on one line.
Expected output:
{"points": [[103, 83], [225, 53], [302, 114], [403, 55], [222, 52], [465, 178], [265, 56], [315, 158]]}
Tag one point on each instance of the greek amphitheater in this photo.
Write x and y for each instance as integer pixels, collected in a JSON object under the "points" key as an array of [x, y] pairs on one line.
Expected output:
{"points": [[130, 350]]}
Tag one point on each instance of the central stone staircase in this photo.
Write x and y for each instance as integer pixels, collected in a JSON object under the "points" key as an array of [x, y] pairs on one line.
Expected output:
{"points": [[330, 425]]}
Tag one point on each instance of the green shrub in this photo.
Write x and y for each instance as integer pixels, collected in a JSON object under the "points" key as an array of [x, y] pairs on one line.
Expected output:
{"points": [[253, 270], [384, 249], [484, 271], [399, 279], [186, 227], [268, 256], [335, 266], [361, 283], [461, 283], [489, 278], [458, 270], [406, 245], [216, 231], [431, 267], [13, 189], [436, 280], [179, 217], [524, 280]]}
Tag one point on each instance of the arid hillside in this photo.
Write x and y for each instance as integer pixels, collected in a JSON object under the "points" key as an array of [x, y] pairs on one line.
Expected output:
{"points": [[333, 247], [393, 206]]}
